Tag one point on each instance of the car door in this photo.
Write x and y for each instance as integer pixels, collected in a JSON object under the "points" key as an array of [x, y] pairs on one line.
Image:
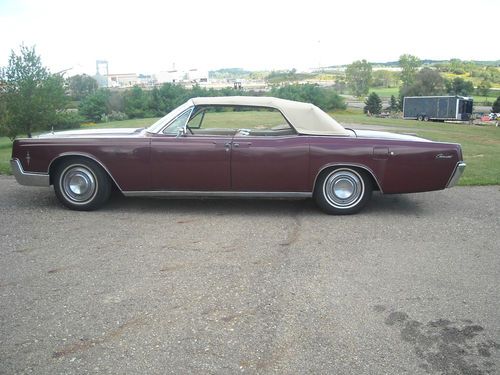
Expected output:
{"points": [[270, 163], [190, 162], [269, 156]]}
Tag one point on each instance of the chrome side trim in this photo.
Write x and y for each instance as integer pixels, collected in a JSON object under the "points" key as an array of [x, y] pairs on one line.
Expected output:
{"points": [[220, 194], [348, 165], [86, 156], [457, 173], [28, 178]]}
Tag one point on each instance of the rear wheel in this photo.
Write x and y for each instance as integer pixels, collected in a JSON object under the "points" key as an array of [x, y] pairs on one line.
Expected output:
{"points": [[420, 117], [343, 191], [426, 118], [81, 184]]}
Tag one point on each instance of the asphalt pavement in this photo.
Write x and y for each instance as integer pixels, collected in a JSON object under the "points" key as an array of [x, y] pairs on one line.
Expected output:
{"points": [[154, 286]]}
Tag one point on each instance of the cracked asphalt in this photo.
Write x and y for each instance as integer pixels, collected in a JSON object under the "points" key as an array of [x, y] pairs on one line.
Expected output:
{"points": [[408, 286]]}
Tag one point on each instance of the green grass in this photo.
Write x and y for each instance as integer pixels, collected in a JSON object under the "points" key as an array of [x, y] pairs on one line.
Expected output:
{"points": [[480, 144], [386, 92], [485, 99], [5, 152]]}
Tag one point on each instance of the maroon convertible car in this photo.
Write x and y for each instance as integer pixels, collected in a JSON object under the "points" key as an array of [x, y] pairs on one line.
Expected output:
{"points": [[236, 147]]}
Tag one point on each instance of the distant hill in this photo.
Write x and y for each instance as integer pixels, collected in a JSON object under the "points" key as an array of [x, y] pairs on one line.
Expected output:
{"points": [[229, 73], [394, 64]]}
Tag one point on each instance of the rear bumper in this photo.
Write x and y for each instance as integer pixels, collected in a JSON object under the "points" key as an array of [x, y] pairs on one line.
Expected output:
{"points": [[457, 173], [28, 178]]}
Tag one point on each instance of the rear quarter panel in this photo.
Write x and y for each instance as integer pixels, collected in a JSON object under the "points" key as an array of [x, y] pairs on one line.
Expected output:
{"points": [[398, 166]]}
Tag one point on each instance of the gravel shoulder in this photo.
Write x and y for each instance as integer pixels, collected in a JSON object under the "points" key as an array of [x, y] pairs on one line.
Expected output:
{"points": [[409, 286]]}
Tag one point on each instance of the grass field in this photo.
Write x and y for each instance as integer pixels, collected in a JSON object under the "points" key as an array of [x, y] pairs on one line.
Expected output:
{"points": [[386, 92], [480, 144], [5, 152]]}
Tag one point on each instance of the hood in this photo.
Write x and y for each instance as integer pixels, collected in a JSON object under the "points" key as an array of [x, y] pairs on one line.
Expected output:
{"points": [[94, 133], [387, 135]]}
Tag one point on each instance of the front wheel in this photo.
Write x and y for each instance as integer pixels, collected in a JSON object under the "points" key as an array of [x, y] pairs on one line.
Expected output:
{"points": [[81, 184], [343, 191]]}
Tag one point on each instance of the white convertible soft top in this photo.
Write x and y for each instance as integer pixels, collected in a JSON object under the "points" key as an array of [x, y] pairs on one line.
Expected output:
{"points": [[306, 118]]}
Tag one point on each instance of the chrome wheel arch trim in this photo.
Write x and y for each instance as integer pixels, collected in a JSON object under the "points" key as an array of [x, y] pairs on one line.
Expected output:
{"points": [[85, 155], [348, 165]]}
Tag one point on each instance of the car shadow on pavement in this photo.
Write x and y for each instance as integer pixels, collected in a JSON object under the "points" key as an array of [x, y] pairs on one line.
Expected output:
{"points": [[398, 204], [36, 198]]}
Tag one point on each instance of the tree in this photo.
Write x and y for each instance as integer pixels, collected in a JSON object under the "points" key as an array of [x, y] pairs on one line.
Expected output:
{"points": [[359, 77], [427, 82], [34, 99], [173, 95], [459, 86], [496, 106], [409, 66], [385, 78], [156, 103], [136, 103], [457, 66], [81, 86], [95, 106], [340, 85], [326, 99], [373, 104], [483, 88], [393, 105]]}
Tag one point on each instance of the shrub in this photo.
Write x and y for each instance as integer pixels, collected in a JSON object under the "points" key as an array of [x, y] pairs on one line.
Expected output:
{"points": [[117, 116], [95, 106], [67, 120], [496, 106]]}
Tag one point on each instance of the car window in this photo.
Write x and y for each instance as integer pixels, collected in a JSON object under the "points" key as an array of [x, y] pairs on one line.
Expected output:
{"points": [[260, 121], [178, 123], [160, 124]]}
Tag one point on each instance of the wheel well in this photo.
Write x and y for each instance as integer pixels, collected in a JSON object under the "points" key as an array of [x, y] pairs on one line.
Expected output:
{"points": [[56, 162], [368, 172]]}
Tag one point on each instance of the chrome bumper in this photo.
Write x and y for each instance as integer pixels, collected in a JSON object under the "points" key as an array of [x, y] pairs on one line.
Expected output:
{"points": [[28, 178], [457, 173]]}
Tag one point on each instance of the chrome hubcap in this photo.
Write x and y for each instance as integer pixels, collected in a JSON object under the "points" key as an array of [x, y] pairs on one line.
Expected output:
{"points": [[78, 184], [343, 188]]}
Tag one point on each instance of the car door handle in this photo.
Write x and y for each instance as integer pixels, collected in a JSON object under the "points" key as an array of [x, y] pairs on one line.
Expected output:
{"points": [[242, 144]]}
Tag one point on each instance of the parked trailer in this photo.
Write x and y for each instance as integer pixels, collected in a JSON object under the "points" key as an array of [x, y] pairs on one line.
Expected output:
{"points": [[438, 108]]}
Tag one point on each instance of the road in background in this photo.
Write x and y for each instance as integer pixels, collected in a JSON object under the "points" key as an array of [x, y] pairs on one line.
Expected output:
{"points": [[408, 286]]}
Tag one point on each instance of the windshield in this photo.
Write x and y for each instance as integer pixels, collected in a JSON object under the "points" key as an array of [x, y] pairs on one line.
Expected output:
{"points": [[158, 125]]}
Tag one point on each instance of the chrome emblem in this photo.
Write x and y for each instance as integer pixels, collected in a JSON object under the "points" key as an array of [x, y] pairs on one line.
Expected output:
{"points": [[28, 158], [443, 156]]}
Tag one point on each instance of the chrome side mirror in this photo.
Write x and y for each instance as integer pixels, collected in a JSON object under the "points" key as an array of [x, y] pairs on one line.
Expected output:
{"points": [[181, 132]]}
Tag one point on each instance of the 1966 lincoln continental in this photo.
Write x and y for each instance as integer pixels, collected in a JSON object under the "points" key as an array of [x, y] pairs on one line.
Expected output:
{"points": [[236, 147]]}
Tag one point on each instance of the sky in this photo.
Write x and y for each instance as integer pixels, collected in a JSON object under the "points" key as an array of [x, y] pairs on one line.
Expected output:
{"points": [[149, 36]]}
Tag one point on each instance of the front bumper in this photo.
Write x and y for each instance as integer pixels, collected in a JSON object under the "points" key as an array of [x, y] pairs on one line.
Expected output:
{"points": [[457, 173], [28, 178]]}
